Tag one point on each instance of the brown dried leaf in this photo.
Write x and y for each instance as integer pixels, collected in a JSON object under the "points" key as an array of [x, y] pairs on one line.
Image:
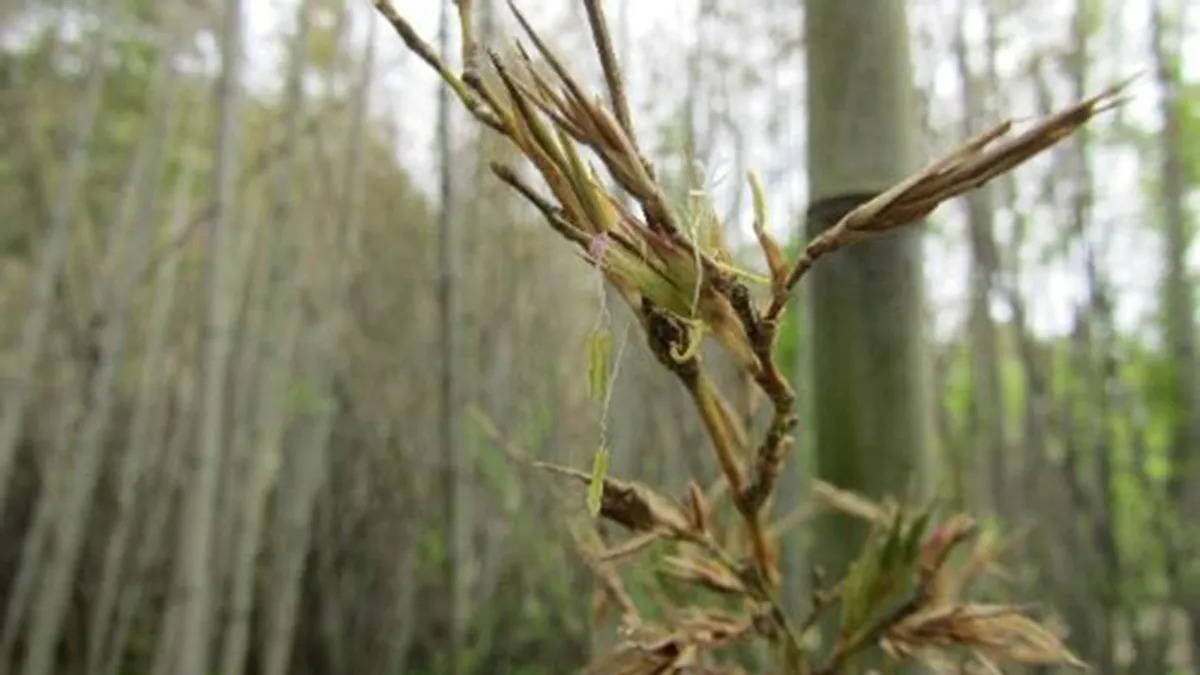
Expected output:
{"points": [[1000, 632], [628, 659], [661, 649], [698, 508], [630, 546], [631, 504], [851, 503], [944, 585], [540, 147], [704, 572], [983, 559], [686, 659], [965, 168], [601, 605], [939, 544], [573, 88], [721, 318], [970, 165], [588, 541]]}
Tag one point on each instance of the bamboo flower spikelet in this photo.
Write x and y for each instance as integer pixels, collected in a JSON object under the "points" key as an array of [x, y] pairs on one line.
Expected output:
{"points": [[598, 191]]}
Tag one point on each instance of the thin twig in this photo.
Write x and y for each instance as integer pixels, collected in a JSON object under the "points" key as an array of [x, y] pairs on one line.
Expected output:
{"points": [[716, 421], [474, 104], [763, 592], [965, 168], [608, 61], [466, 27], [551, 212], [822, 600], [714, 416]]}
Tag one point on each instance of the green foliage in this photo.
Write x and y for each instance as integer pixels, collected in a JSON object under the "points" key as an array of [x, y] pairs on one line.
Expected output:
{"points": [[596, 484], [1189, 128], [882, 572], [599, 364], [307, 397]]}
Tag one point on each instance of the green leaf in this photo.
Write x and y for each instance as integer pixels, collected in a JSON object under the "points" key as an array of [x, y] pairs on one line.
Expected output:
{"points": [[599, 359], [916, 533], [891, 546], [596, 484], [882, 570], [760, 201], [856, 597]]}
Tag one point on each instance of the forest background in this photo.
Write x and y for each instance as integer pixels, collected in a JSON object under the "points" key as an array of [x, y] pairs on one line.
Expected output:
{"points": [[365, 518]]}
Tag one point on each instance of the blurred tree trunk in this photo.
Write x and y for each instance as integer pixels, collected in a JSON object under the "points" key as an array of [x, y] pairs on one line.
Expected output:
{"points": [[327, 296], [1151, 639], [1179, 304], [248, 404], [1088, 432], [275, 347], [154, 542], [627, 403], [333, 619], [177, 473], [54, 476], [454, 519], [299, 485], [53, 256], [126, 257], [194, 564], [872, 410], [157, 451], [987, 394], [1048, 487], [145, 428], [794, 487]]}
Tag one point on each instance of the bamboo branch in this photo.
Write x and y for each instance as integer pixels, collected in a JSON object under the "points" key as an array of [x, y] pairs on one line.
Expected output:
{"points": [[608, 61], [965, 168], [466, 27], [656, 268], [413, 41]]}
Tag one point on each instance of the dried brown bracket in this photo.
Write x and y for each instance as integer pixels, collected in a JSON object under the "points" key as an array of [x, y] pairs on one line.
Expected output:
{"points": [[678, 276]]}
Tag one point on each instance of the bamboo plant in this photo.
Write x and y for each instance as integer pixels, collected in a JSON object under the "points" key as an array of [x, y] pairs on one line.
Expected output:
{"points": [[906, 593]]}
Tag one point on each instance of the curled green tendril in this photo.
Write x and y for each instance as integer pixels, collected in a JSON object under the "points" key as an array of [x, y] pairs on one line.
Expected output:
{"points": [[695, 333]]}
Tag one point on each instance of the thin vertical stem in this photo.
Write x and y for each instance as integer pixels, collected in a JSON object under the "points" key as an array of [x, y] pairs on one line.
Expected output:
{"points": [[610, 64], [448, 399], [196, 540]]}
